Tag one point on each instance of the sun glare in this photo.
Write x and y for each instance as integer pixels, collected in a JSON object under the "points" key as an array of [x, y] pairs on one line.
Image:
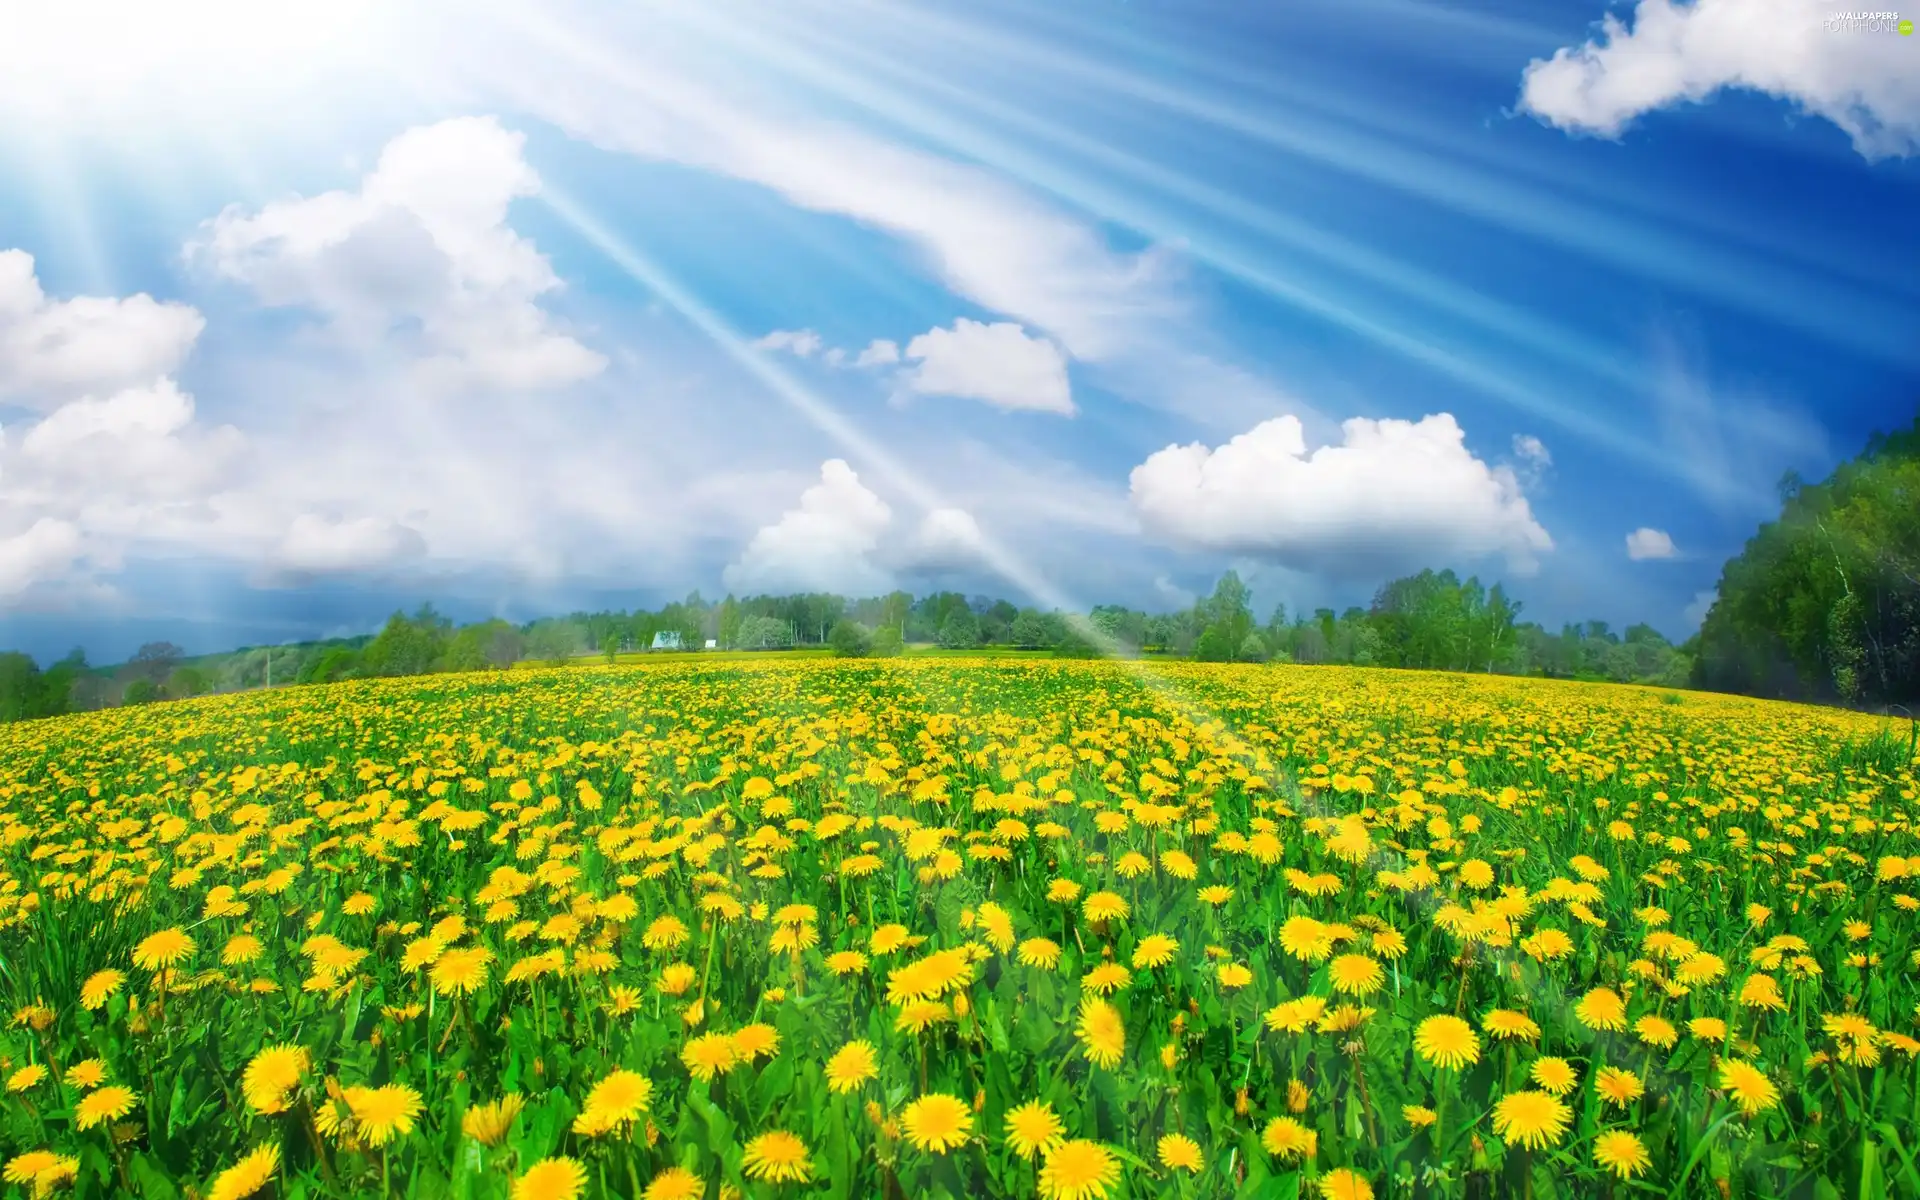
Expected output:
{"points": [[133, 61]]}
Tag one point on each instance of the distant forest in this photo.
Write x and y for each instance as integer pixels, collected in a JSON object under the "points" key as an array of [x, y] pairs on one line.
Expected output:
{"points": [[1822, 605]]}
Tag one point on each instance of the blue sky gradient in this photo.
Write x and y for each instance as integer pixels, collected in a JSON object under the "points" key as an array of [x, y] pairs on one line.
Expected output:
{"points": [[521, 308]]}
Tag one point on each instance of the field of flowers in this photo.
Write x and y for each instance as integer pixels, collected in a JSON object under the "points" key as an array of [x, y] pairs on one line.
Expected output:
{"points": [[952, 928]]}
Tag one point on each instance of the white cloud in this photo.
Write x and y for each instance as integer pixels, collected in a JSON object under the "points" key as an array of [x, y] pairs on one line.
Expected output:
{"points": [[51, 350], [825, 544], [136, 446], [314, 545], [1535, 460], [420, 256], [1866, 82], [948, 540], [879, 353], [1173, 593], [999, 364], [1644, 543], [47, 549], [1392, 495], [988, 240], [801, 343], [1532, 451]]}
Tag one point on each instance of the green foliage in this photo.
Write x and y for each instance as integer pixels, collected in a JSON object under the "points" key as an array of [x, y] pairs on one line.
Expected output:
{"points": [[27, 692], [142, 691], [407, 645], [850, 639], [959, 631], [763, 633], [188, 681], [886, 642], [1824, 602]]}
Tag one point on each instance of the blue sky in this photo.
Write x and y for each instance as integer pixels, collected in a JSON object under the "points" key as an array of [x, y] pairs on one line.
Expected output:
{"points": [[332, 308]]}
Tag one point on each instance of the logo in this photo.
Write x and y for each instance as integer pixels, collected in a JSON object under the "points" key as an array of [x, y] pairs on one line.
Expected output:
{"points": [[1905, 28]]}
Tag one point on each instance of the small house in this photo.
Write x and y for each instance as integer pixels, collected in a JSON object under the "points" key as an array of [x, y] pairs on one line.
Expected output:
{"points": [[666, 639]]}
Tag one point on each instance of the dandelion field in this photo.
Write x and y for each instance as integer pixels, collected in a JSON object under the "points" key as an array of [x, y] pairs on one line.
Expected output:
{"points": [[953, 928]]}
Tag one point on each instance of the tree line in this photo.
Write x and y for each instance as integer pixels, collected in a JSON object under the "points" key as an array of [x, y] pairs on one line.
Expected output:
{"points": [[1822, 604]]}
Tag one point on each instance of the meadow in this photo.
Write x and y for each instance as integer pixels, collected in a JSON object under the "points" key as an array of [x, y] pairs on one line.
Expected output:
{"points": [[941, 927]]}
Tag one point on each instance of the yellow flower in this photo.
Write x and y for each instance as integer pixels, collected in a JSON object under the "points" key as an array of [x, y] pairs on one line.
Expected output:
{"points": [[1553, 1075], [88, 1073], [26, 1077], [1102, 1033], [1621, 1152], [460, 972], [1344, 1184], [755, 1041], [614, 1104], [1506, 1025], [1033, 1128], [1617, 1087], [162, 950], [1178, 1152], [1287, 1139], [1602, 1009], [253, 1172], [1040, 952], [937, 1123], [1447, 1042], [1531, 1119], [851, 1066], [488, 1123], [271, 1075], [675, 1183], [1154, 950], [100, 987], [383, 1113], [1749, 1086], [777, 1157], [1356, 975], [708, 1055], [106, 1104], [1234, 975], [556, 1178], [1079, 1170]]}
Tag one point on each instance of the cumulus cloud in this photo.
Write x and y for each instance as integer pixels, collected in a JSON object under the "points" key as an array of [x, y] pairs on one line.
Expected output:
{"points": [[47, 549], [801, 343], [314, 545], [1862, 80], [420, 256], [1644, 543], [136, 446], [999, 364], [879, 353], [948, 540], [1393, 494], [825, 544], [51, 350]]}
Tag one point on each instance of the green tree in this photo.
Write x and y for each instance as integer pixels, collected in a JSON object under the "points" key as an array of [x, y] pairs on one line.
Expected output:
{"points": [[407, 645], [1824, 602], [886, 642], [959, 630], [1028, 631], [850, 639], [188, 681]]}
